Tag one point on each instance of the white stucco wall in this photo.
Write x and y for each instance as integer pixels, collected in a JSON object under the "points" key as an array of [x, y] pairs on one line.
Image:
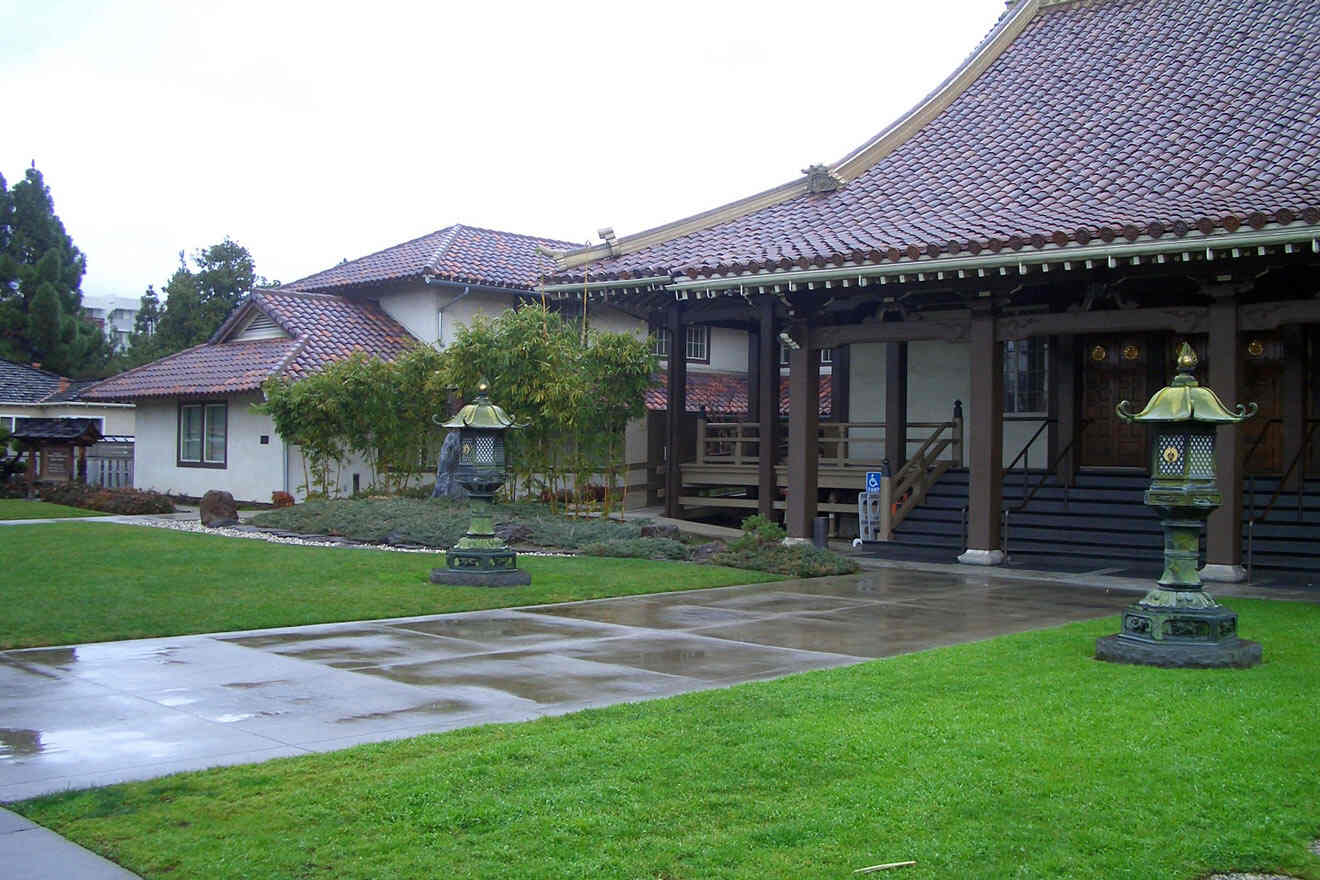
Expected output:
{"points": [[252, 470], [938, 374], [115, 418]]}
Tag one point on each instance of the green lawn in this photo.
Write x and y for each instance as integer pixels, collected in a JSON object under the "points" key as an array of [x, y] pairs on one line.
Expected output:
{"points": [[1016, 757], [78, 582], [18, 508]]}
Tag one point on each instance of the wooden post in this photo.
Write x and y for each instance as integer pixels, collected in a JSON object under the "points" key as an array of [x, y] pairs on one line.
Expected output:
{"points": [[896, 404], [677, 407], [803, 427], [753, 375], [1223, 539], [82, 465], [986, 492], [1292, 401], [1064, 406], [767, 408], [31, 471]]}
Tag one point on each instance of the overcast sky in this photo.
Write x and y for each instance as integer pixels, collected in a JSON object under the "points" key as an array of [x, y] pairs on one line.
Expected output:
{"points": [[316, 132]]}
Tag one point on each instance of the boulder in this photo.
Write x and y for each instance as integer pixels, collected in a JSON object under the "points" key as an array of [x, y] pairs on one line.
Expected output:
{"points": [[704, 552], [513, 533], [655, 530], [445, 487], [218, 509]]}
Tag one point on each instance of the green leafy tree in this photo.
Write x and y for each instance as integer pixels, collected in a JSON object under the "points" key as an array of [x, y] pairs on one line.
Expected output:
{"points": [[41, 317]]}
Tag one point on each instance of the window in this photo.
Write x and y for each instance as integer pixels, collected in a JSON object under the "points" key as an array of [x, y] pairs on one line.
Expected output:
{"points": [[203, 434], [1025, 375], [697, 347], [698, 343], [7, 423]]}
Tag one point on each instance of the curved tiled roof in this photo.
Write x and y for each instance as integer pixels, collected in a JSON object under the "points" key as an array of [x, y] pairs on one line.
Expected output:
{"points": [[724, 393], [1101, 119], [322, 329], [462, 254]]}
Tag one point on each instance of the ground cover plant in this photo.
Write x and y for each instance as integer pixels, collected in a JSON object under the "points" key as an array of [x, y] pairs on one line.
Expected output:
{"points": [[66, 583], [1020, 756], [438, 522], [761, 548], [17, 508]]}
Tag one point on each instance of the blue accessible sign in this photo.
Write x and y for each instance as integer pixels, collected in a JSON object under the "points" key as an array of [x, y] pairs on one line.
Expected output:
{"points": [[873, 481]]}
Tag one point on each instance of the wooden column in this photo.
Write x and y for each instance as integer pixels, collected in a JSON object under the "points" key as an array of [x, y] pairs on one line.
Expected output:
{"points": [[803, 424], [753, 375], [1292, 402], [896, 403], [986, 459], [1064, 393], [840, 382], [1223, 540], [677, 407], [767, 408]]}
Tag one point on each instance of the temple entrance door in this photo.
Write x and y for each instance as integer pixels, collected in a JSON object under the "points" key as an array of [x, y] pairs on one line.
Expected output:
{"points": [[1262, 377], [1114, 368]]}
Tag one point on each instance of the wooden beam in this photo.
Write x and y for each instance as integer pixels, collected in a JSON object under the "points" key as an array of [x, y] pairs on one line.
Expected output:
{"points": [[950, 325], [1223, 539], [1188, 319], [986, 491], [803, 422], [677, 407], [767, 407], [1273, 315]]}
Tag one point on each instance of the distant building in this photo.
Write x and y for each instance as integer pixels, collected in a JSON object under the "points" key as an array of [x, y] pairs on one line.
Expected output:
{"points": [[115, 315]]}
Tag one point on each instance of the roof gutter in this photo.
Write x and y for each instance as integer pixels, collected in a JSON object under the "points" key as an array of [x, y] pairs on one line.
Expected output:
{"points": [[1112, 254], [604, 285]]}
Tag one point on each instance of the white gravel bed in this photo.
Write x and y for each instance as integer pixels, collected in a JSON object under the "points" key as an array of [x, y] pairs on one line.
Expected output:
{"points": [[184, 525]]}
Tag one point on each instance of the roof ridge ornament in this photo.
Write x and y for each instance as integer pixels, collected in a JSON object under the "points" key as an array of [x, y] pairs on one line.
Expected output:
{"points": [[820, 179]]}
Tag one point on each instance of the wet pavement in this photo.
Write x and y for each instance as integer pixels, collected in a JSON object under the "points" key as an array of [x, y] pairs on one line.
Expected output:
{"points": [[87, 715]]}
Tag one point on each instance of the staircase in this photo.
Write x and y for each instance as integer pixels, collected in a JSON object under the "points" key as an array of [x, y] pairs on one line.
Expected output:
{"points": [[1100, 522]]}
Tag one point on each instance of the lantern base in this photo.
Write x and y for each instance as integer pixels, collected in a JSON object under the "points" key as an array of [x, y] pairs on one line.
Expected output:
{"points": [[460, 577], [1181, 629], [1240, 653]]}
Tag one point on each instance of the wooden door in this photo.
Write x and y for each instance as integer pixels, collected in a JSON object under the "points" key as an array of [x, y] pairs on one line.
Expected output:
{"points": [[1114, 368], [1262, 380]]}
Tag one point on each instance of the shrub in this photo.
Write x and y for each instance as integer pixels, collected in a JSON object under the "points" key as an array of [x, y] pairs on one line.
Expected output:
{"points": [[759, 530], [638, 548], [122, 501], [795, 560], [281, 499]]}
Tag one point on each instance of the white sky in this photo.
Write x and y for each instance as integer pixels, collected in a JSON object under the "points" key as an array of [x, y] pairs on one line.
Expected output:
{"points": [[312, 132]]}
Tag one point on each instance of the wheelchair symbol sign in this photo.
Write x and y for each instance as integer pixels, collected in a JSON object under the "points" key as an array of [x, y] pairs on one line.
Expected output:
{"points": [[873, 481]]}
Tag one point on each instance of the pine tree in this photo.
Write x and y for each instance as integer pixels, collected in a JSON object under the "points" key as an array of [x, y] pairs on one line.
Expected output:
{"points": [[40, 273]]}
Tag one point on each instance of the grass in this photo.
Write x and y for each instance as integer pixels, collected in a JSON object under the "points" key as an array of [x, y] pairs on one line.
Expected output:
{"points": [[1015, 757], [66, 583], [18, 508]]}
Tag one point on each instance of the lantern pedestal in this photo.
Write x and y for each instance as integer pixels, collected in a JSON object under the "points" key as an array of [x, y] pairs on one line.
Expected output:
{"points": [[1178, 624], [481, 558]]}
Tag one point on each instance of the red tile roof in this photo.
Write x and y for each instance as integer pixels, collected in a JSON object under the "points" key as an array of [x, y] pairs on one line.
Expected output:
{"points": [[462, 254], [1101, 119], [724, 393], [322, 329]]}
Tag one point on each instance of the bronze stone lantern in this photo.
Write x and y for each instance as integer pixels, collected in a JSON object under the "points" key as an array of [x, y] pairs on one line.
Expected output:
{"points": [[1178, 623], [480, 558]]}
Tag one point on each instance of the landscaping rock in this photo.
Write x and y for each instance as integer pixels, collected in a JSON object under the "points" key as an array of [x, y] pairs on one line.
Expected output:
{"points": [[445, 487], [655, 530], [704, 552], [218, 509], [513, 533]]}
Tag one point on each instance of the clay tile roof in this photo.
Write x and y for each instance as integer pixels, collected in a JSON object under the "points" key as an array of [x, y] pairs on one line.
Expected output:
{"points": [[723, 393], [1099, 119], [322, 329], [462, 254]]}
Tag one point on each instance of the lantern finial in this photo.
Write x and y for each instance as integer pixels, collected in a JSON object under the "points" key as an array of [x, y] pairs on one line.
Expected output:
{"points": [[1187, 359], [482, 385]]}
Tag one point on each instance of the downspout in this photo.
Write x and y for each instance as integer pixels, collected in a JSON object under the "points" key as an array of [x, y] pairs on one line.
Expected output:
{"points": [[440, 312]]}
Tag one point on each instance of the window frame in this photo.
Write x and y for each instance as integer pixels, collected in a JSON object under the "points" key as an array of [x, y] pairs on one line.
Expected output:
{"points": [[205, 406], [1037, 349], [662, 346]]}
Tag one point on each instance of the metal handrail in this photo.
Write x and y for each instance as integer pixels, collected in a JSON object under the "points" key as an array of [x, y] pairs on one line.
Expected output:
{"points": [[1299, 458], [1260, 438], [1049, 469]]}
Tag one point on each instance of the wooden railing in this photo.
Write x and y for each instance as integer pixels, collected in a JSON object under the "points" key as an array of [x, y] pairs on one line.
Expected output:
{"points": [[901, 493], [840, 444]]}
